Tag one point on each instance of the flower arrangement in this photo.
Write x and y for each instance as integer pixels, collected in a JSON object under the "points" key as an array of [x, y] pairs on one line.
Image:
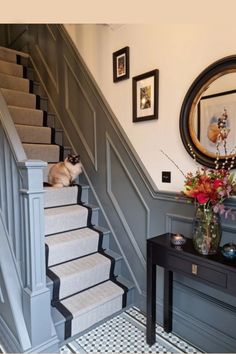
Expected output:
{"points": [[210, 188]]}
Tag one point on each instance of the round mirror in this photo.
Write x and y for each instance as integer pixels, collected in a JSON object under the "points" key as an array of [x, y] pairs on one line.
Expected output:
{"points": [[208, 115]]}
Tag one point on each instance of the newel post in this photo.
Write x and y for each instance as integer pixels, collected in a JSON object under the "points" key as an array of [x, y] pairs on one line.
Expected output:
{"points": [[36, 296]]}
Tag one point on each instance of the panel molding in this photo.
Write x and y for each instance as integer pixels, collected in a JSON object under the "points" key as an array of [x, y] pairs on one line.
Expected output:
{"points": [[54, 80], [109, 145], [175, 217], [92, 155]]}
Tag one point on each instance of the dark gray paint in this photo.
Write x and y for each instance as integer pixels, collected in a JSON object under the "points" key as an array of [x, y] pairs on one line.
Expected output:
{"points": [[202, 315]]}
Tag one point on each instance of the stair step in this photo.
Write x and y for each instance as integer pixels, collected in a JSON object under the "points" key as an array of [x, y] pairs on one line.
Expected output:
{"points": [[44, 152], [11, 68], [93, 305], [14, 83], [6, 55], [80, 274], [27, 116], [18, 98], [10, 55], [60, 196], [65, 218], [71, 244], [35, 135]]}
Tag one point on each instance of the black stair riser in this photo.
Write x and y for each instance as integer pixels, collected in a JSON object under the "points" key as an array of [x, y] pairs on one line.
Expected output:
{"points": [[68, 318], [45, 118], [53, 134]]}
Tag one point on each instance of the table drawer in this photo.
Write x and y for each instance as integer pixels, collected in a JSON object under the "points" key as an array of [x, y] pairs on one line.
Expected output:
{"points": [[197, 270]]}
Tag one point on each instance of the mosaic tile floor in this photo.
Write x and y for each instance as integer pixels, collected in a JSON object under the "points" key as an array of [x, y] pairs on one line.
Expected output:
{"points": [[125, 333]]}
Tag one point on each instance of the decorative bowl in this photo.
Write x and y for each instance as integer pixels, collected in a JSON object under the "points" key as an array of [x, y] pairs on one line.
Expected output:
{"points": [[229, 250], [177, 240]]}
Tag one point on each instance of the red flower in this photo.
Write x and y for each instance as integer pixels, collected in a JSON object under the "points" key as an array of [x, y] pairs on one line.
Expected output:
{"points": [[217, 183], [202, 198]]}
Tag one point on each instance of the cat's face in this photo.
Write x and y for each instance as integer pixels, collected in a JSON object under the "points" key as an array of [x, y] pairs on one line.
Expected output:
{"points": [[73, 159]]}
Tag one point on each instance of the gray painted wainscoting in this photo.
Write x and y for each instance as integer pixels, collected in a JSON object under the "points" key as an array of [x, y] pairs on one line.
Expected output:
{"points": [[133, 209]]}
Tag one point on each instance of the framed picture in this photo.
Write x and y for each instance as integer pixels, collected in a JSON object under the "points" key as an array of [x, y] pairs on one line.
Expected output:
{"points": [[216, 123], [145, 96], [121, 64]]}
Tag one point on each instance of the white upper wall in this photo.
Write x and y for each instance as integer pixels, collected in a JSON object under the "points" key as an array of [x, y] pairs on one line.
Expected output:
{"points": [[180, 53]]}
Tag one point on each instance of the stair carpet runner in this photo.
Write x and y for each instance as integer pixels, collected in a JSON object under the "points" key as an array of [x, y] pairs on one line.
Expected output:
{"points": [[85, 289]]}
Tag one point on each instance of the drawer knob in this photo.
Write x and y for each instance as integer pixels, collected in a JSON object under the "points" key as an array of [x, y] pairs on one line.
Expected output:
{"points": [[194, 269]]}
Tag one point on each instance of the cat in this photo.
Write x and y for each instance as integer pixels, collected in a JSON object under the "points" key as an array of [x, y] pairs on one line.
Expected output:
{"points": [[63, 174]]}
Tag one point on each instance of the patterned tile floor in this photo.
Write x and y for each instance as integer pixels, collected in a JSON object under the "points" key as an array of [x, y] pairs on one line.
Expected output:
{"points": [[125, 333]]}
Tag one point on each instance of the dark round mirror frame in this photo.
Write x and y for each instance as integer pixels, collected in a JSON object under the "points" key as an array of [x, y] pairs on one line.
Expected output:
{"points": [[215, 70]]}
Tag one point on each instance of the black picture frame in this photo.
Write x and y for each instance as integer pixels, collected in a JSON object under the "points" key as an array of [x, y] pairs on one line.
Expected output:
{"points": [[121, 64], [145, 96]]}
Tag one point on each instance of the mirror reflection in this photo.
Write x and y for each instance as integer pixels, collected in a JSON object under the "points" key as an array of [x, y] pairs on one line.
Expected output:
{"points": [[213, 119]]}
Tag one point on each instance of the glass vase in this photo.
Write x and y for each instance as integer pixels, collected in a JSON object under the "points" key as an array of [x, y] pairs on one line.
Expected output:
{"points": [[206, 231]]}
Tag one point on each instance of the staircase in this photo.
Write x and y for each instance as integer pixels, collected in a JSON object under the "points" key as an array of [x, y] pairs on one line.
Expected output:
{"points": [[83, 274]]}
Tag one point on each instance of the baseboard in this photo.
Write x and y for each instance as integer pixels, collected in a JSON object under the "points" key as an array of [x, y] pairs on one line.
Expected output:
{"points": [[50, 346]]}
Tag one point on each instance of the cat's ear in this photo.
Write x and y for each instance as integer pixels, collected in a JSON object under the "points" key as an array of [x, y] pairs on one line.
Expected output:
{"points": [[69, 155]]}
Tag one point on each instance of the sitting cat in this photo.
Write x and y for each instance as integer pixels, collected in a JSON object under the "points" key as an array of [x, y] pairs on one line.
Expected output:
{"points": [[63, 174]]}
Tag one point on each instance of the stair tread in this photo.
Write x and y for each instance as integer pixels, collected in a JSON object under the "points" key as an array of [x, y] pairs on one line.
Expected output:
{"points": [[70, 236], [80, 265], [89, 299], [34, 134], [26, 116], [10, 76], [11, 68], [17, 52], [65, 218], [17, 92], [71, 244], [44, 152], [64, 209], [26, 109], [82, 273], [19, 98], [60, 196], [42, 145]]}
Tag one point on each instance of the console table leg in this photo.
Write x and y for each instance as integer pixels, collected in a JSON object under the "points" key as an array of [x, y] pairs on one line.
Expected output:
{"points": [[168, 300], [151, 299]]}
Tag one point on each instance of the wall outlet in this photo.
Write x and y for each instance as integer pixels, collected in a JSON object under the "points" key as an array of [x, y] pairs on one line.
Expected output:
{"points": [[166, 176]]}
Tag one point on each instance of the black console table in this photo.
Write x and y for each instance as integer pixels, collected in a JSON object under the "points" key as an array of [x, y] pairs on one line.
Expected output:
{"points": [[214, 270]]}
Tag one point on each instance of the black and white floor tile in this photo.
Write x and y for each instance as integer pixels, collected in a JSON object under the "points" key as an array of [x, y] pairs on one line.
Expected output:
{"points": [[125, 333]]}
